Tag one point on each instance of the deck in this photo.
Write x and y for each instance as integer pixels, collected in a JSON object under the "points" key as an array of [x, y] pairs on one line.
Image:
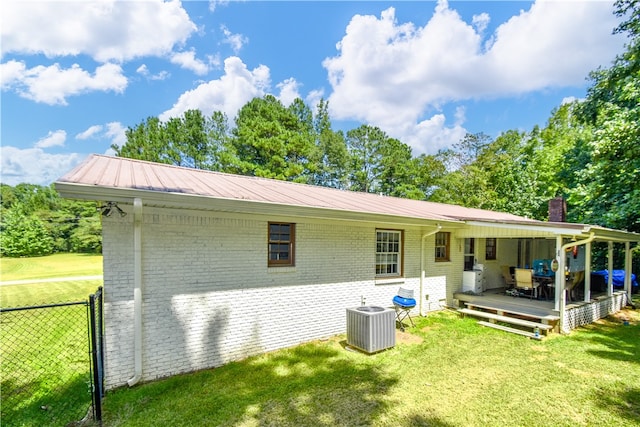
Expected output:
{"points": [[494, 306]]}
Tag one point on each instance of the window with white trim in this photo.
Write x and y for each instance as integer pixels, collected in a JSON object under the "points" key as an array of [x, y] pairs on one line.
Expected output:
{"points": [[443, 240], [388, 253], [281, 244]]}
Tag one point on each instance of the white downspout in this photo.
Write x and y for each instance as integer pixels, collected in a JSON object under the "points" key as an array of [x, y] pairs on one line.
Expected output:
{"points": [[560, 279], [424, 236], [137, 292]]}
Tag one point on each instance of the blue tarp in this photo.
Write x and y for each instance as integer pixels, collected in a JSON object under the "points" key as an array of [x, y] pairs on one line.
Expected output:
{"points": [[618, 277]]}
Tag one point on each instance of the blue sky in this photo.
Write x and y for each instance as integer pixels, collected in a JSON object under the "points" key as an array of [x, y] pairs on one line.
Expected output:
{"points": [[74, 75]]}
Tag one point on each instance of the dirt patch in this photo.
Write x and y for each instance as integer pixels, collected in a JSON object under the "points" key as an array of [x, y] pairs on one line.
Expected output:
{"points": [[407, 338], [627, 314]]}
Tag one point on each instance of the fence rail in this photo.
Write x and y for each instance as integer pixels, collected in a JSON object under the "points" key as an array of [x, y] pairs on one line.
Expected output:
{"points": [[47, 362]]}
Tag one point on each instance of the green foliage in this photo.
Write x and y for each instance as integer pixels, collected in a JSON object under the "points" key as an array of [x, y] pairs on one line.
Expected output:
{"points": [[24, 236], [273, 141], [610, 180], [35, 221]]}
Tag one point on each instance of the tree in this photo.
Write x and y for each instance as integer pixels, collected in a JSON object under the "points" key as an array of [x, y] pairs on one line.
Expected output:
{"points": [[191, 140], [24, 236], [272, 141], [611, 190], [331, 148]]}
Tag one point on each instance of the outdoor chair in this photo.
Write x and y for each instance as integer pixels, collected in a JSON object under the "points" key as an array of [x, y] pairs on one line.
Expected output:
{"points": [[525, 282], [509, 281], [578, 277], [404, 302]]}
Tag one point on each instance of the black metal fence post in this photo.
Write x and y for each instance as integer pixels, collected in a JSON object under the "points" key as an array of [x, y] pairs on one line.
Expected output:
{"points": [[95, 308]]}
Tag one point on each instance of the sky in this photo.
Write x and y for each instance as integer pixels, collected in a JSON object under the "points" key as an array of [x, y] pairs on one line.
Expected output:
{"points": [[74, 75]]}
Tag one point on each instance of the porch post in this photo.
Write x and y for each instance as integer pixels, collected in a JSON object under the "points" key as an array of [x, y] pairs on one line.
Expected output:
{"points": [[560, 282], [587, 272], [610, 269], [627, 270]]}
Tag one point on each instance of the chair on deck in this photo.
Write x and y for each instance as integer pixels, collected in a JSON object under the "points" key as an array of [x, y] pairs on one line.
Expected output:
{"points": [[509, 281], [578, 277], [524, 281], [404, 303]]}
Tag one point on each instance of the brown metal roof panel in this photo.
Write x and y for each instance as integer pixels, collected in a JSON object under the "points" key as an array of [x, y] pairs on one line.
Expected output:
{"points": [[135, 174]]}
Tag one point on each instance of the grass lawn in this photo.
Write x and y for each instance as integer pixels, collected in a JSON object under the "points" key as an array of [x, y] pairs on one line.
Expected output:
{"points": [[44, 355], [58, 265], [53, 266], [447, 371]]}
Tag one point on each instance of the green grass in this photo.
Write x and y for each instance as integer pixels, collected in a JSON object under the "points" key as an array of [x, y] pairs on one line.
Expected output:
{"points": [[44, 356], [447, 371], [58, 265], [53, 266]]}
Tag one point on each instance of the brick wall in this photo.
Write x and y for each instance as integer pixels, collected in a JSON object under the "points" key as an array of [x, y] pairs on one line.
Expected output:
{"points": [[209, 297]]}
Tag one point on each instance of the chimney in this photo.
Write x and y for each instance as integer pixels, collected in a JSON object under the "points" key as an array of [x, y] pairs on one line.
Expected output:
{"points": [[557, 210]]}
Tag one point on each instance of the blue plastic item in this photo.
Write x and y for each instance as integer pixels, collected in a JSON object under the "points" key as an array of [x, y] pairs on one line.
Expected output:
{"points": [[404, 302], [618, 277]]}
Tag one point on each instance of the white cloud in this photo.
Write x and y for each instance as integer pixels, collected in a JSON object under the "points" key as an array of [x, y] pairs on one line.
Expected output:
{"points": [[34, 166], [213, 4], [228, 94], [91, 132], [53, 84], [143, 70], [11, 73], [288, 91], [53, 139], [115, 132], [314, 97], [236, 41], [392, 74], [481, 21], [187, 60], [106, 30]]}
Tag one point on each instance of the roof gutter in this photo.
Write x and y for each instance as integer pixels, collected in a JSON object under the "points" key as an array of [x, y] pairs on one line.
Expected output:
{"points": [[137, 292], [424, 236]]}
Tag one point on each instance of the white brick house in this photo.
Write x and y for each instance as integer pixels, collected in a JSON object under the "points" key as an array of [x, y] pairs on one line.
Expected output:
{"points": [[202, 268]]}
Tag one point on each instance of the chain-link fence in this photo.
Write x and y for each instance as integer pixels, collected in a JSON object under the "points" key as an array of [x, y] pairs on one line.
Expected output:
{"points": [[45, 364]]}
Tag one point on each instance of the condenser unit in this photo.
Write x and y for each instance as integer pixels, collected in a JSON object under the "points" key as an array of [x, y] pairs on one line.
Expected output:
{"points": [[371, 328]]}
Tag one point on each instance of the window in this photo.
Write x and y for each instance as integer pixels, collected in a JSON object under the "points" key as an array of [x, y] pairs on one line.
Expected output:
{"points": [[388, 253], [491, 248], [442, 246], [281, 244], [469, 254]]}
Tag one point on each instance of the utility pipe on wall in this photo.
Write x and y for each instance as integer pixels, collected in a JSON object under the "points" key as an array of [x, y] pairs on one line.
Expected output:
{"points": [[424, 236], [137, 292]]}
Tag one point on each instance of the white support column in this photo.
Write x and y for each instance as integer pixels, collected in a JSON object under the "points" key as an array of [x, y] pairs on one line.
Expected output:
{"points": [[627, 270], [610, 270], [560, 281], [587, 272]]}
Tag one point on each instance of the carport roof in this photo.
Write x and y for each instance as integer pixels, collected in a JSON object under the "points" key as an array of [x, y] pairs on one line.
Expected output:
{"points": [[120, 179]]}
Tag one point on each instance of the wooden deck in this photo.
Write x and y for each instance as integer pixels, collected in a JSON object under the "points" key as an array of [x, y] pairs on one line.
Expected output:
{"points": [[524, 316]]}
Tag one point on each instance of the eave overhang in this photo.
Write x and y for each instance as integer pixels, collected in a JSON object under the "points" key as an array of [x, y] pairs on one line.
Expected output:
{"points": [[193, 201]]}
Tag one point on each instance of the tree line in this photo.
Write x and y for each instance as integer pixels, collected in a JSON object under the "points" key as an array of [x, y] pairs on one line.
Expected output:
{"points": [[588, 152], [36, 221]]}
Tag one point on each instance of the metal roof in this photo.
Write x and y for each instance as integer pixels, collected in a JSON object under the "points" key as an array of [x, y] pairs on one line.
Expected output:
{"points": [[109, 178]]}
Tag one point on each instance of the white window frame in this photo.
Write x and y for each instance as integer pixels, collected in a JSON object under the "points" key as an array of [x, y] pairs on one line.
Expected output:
{"points": [[389, 251]]}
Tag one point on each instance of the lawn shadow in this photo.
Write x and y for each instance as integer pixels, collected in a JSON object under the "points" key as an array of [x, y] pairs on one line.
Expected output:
{"points": [[62, 405], [622, 341], [625, 403], [314, 384]]}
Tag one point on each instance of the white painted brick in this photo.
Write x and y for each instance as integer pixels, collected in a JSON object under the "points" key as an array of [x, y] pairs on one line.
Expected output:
{"points": [[209, 297]]}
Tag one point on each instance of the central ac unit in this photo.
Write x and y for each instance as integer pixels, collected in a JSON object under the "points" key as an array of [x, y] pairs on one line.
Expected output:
{"points": [[371, 328]]}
